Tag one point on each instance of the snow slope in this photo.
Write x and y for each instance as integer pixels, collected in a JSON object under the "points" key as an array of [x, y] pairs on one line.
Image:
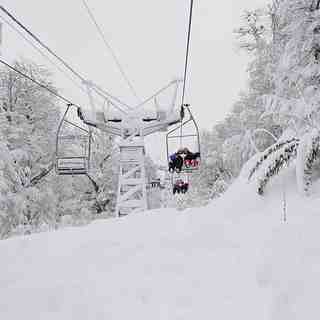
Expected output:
{"points": [[234, 259]]}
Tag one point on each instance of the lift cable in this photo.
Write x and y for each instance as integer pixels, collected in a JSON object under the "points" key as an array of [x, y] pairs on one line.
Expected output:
{"points": [[186, 68], [56, 56], [57, 95], [107, 44], [51, 61], [187, 54], [41, 43], [41, 53]]}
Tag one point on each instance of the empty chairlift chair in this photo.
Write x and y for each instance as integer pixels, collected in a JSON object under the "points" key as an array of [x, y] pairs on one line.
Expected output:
{"points": [[73, 146]]}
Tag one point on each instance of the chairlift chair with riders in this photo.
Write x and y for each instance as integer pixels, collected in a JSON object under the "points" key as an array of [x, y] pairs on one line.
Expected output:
{"points": [[180, 183], [73, 147], [177, 141]]}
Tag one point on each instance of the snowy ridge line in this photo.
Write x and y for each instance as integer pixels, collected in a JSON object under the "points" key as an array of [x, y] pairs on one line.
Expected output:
{"points": [[268, 152]]}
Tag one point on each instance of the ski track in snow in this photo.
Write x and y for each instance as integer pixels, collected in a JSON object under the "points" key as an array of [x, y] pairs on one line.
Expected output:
{"points": [[234, 259]]}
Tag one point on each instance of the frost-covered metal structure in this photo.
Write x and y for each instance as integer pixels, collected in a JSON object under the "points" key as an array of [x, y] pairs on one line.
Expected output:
{"points": [[132, 192], [132, 127]]}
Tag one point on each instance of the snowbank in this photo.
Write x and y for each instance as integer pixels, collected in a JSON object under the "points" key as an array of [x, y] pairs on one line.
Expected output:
{"points": [[234, 259]]}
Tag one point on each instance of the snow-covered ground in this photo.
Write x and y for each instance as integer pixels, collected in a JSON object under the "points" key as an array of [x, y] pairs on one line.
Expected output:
{"points": [[234, 259]]}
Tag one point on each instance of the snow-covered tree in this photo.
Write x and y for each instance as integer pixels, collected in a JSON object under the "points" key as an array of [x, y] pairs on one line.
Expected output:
{"points": [[32, 197], [293, 102], [28, 118]]}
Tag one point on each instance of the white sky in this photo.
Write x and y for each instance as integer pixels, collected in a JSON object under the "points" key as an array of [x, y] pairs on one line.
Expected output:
{"points": [[149, 38]]}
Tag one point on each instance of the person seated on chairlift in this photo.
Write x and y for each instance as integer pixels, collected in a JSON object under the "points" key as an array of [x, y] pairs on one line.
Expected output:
{"points": [[190, 159], [180, 187], [183, 157], [175, 162]]}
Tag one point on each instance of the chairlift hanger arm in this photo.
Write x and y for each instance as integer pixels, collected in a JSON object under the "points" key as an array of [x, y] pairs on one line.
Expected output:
{"points": [[69, 105], [195, 124], [59, 127], [67, 121], [178, 127]]}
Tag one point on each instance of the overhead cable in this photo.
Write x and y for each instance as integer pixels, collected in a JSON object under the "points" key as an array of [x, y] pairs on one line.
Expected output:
{"points": [[186, 70], [187, 53], [41, 43], [55, 65], [107, 44], [53, 92], [54, 54], [40, 52]]}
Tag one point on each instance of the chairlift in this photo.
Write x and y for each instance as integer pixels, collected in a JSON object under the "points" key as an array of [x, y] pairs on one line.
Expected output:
{"points": [[180, 183], [190, 159], [73, 147]]}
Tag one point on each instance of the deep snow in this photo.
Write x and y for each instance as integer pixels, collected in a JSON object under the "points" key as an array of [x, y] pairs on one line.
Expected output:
{"points": [[234, 259]]}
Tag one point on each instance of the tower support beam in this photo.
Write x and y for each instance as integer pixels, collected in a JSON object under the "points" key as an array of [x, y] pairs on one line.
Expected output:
{"points": [[132, 191]]}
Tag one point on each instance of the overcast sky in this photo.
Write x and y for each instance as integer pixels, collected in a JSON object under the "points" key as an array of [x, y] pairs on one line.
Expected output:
{"points": [[149, 38]]}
